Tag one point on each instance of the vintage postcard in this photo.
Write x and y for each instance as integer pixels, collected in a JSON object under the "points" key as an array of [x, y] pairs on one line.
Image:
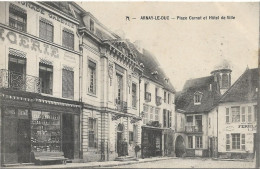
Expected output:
{"points": [[125, 84]]}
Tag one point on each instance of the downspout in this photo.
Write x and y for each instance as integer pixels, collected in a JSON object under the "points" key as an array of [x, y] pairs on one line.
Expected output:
{"points": [[80, 93]]}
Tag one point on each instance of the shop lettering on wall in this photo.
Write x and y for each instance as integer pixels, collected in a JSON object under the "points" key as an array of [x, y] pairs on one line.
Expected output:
{"points": [[28, 43], [41, 10], [250, 127]]}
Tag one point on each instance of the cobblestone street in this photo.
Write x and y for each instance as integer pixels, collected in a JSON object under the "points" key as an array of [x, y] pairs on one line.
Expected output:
{"points": [[191, 163]]}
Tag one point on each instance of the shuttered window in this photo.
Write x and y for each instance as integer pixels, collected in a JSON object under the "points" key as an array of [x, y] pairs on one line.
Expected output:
{"points": [[67, 84], [46, 30], [68, 39], [164, 117]]}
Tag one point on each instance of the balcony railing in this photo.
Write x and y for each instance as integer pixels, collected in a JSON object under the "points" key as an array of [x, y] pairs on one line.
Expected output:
{"points": [[18, 81], [147, 97], [193, 129], [158, 100], [121, 106]]}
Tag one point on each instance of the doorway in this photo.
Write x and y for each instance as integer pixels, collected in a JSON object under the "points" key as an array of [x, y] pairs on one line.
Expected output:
{"points": [[120, 129], [23, 140], [179, 146], [67, 136]]}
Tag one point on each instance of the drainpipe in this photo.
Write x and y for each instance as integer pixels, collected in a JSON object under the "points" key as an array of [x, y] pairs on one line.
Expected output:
{"points": [[80, 93]]}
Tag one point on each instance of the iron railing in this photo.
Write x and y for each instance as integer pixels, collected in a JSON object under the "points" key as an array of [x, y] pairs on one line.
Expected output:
{"points": [[193, 129], [121, 106], [19, 81]]}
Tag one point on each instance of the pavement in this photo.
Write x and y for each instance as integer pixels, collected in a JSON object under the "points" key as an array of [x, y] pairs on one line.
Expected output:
{"points": [[92, 164]]}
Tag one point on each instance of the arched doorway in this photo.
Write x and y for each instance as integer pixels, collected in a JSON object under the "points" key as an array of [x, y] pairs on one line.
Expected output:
{"points": [[179, 146], [120, 131]]}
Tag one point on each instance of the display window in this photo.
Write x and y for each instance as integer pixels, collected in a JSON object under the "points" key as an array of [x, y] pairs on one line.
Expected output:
{"points": [[45, 131]]}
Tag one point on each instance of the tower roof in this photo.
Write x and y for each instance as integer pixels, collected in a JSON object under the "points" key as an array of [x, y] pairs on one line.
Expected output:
{"points": [[222, 65]]}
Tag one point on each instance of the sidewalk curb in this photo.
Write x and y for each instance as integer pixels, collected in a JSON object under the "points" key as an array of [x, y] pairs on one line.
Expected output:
{"points": [[130, 162], [241, 160]]}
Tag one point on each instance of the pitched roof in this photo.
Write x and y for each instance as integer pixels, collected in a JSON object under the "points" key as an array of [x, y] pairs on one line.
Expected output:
{"points": [[61, 6], [244, 89], [152, 69], [185, 99]]}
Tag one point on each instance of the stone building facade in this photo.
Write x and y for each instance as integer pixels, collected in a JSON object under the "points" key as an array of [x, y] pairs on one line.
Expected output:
{"points": [[39, 81]]}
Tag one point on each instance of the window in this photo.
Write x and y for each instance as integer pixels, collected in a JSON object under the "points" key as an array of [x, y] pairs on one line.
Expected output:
{"points": [[190, 119], [168, 98], [235, 141], [67, 84], [134, 95], [243, 114], [119, 87], [68, 39], [17, 17], [46, 30], [209, 122], [156, 116], [197, 98], [227, 115], [91, 25], [243, 141], [164, 97], [198, 123], [151, 113], [199, 142], [145, 90], [92, 133], [92, 77], [249, 116], [255, 112], [190, 142], [224, 80], [131, 136], [227, 142], [169, 119], [46, 76], [145, 117], [235, 114], [164, 117]]}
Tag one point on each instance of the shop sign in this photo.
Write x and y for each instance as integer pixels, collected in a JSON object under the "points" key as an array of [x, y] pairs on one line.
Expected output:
{"points": [[250, 127], [42, 11], [28, 43]]}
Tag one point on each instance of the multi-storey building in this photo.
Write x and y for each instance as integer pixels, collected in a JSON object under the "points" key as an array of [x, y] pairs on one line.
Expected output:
{"points": [[157, 106], [39, 77], [196, 102], [235, 125], [69, 86], [110, 77]]}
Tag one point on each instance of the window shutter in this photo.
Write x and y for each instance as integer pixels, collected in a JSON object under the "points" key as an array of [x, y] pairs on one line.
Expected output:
{"points": [[64, 84]]}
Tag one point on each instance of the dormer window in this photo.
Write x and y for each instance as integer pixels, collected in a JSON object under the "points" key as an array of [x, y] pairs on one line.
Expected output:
{"points": [[91, 25], [197, 98]]}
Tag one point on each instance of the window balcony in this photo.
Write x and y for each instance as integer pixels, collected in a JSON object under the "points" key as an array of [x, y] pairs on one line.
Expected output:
{"points": [[193, 129], [147, 97], [158, 100], [19, 81], [121, 106]]}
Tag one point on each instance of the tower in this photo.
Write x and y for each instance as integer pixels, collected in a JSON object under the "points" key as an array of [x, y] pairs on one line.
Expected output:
{"points": [[222, 75]]}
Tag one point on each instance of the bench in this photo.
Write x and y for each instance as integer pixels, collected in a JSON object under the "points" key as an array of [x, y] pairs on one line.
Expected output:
{"points": [[49, 157]]}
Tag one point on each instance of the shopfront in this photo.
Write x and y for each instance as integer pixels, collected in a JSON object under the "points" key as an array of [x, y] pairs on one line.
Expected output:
{"points": [[151, 141], [38, 125]]}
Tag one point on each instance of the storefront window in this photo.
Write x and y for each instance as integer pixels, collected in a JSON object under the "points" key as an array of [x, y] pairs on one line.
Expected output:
{"points": [[45, 132]]}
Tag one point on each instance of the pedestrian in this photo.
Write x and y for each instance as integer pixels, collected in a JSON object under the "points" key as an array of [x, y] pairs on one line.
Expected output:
{"points": [[137, 149]]}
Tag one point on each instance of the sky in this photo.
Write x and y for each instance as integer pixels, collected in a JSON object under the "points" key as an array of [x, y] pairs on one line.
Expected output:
{"points": [[187, 49]]}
